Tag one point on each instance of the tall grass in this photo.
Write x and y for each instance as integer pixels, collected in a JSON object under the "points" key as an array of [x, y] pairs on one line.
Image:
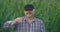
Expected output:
{"points": [[47, 10]]}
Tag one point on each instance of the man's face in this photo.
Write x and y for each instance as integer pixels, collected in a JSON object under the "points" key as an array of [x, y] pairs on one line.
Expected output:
{"points": [[28, 12]]}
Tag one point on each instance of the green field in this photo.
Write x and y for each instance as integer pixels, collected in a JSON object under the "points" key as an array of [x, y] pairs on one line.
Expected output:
{"points": [[47, 10]]}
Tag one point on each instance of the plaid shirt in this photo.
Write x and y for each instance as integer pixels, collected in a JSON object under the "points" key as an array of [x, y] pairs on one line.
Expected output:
{"points": [[36, 26]]}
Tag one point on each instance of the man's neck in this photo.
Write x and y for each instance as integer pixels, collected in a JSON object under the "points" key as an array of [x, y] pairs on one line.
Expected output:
{"points": [[29, 19]]}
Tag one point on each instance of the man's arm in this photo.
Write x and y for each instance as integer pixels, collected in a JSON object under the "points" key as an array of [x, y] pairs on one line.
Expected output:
{"points": [[8, 24], [42, 26], [17, 20]]}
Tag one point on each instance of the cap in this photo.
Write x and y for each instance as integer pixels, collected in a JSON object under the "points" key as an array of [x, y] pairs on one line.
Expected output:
{"points": [[29, 6]]}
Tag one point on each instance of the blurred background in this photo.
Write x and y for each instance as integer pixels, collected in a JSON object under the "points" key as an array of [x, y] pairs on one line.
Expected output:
{"points": [[47, 10]]}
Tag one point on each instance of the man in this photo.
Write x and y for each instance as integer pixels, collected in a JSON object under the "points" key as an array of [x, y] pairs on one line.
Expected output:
{"points": [[28, 23]]}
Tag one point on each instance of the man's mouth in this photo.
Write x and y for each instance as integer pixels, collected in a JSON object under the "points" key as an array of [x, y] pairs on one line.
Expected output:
{"points": [[28, 13]]}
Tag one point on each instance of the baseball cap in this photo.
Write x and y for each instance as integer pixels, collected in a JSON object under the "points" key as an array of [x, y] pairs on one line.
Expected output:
{"points": [[29, 6]]}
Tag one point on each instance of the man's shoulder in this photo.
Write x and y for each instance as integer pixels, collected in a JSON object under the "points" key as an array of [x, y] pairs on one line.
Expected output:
{"points": [[39, 20]]}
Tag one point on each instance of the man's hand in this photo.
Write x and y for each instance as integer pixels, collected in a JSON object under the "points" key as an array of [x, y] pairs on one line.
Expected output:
{"points": [[17, 20]]}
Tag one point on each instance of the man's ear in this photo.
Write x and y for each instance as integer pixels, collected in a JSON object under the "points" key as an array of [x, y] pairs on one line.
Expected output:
{"points": [[33, 11]]}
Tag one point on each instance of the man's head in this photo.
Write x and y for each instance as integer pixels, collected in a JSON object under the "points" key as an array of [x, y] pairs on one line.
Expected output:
{"points": [[29, 10]]}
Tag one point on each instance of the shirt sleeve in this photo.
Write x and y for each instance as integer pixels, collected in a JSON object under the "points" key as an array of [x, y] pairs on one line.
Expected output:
{"points": [[42, 26], [6, 25]]}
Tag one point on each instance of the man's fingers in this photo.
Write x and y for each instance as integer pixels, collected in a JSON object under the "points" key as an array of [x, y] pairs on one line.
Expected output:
{"points": [[19, 19]]}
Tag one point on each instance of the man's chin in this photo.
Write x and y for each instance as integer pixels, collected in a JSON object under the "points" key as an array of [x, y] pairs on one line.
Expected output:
{"points": [[28, 15]]}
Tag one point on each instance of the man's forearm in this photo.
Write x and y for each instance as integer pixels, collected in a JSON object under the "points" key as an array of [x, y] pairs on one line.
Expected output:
{"points": [[7, 24]]}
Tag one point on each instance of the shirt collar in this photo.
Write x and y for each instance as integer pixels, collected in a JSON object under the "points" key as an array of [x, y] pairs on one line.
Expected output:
{"points": [[33, 19]]}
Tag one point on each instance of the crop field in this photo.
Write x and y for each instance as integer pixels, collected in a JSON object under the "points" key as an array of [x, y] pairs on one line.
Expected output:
{"points": [[47, 10]]}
